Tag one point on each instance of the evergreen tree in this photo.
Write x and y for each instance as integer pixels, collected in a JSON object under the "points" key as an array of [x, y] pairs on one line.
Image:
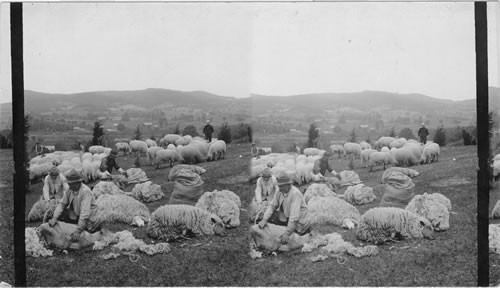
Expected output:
{"points": [[406, 133], [393, 132], [98, 133], [225, 133], [312, 135], [353, 136], [440, 136], [190, 130], [138, 134], [177, 130]]}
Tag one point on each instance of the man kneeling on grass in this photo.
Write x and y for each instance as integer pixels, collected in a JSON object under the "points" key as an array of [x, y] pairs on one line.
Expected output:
{"points": [[76, 206], [288, 208]]}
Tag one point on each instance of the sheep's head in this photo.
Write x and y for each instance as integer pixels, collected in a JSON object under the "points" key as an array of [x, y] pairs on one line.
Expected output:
{"points": [[218, 226], [426, 228]]}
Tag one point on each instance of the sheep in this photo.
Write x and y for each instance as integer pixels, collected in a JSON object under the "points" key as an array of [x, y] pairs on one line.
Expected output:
{"points": [[318, 190], [433, 207], [222, 204], [125, 241], [384, 141], [59, 236], [37, 171], [430, 153], [150, 143], [191, 154], [39, 208], [147, 192], [267, 238], [404, 157], [87, 170], [138, 146], [353, 149], [398, 143], [312, 151], [107, 151], [151, 155], [406, 171], [382, 224], [170, 222], [123, 146], [87, 156], [169, 139], [171, 147], [415, 149], [184, 140], [365, 145], [120, 208], [385, 149], [358, 194], [365, 156], [166, 155], [380, 157], [105, 187], [96, 149], [339, 149], [333, 210], [216, 150]]}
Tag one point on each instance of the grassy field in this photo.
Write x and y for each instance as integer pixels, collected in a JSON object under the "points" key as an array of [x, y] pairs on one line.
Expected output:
{"points": [[450, 260]]}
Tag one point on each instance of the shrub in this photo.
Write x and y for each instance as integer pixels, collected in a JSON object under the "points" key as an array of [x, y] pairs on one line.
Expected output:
{"points": [[190, 130], [440, 137], [392, 133], [97, 134], [353, 136], [138, 134], [312, 135], [60, 146], [225, 133], [406, 133]]}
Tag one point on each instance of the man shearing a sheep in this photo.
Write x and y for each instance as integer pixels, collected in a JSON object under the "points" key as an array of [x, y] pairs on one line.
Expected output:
{"points": [[77, 206], [288, 208]]}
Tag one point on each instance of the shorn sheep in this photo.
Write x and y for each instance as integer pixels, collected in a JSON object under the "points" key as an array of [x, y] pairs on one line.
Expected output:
{"points": [[430, 153], [404, 157], [123, 146], [151, 155], [337, 149], [150, 143], [377, 158], [191, 154], [138, 146], [167, 155], [365, 156], [170, 222], [216, 150], [381, 224], [353, 149], [332, 210], [223, 204]]}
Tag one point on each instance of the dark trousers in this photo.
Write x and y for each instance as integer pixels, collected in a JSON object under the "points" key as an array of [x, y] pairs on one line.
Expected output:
{"points": [[91, 227], [208, 137], [275, 219], [423, 139]]}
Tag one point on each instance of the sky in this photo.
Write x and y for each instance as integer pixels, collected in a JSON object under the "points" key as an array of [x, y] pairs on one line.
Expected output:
{"points": [[235, 49]]}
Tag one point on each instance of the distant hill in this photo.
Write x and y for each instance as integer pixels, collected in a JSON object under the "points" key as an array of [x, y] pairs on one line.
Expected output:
{"points": [[299, 107]]}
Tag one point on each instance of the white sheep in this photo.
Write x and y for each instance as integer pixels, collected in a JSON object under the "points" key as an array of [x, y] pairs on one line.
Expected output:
{"points": [[312, 151], [138, 146], [216, 150], [122, 146], [96, 149], [353, 149], [365, 145], [166, 155], [385, 149], [105, 187], [190, 153], [184, 140], [358, 194], [398, 143], [222, 204], [170, 222], [267, 238], [332, 210], [59, 236], [433, 208], [202, 146], [382, 224], [339, 149], [150, 143], [415, 149], [151, 154], [365, 156], [404, 157], [169, 139], [120, 208], [495, 213], [377, 158], [430, 153], [39, 208], [318, 190], [384, 141]]}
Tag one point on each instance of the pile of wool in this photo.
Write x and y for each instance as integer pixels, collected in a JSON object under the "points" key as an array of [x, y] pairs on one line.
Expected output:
{"points": [[494, 238], [136, 175], [125, 241], [434, 207], [105, 187], [225, 204], [40, 207], [147, 192], [333, 243], [35, 247], [120, 208], [406, 171], [359, 194], [348, 178], [318, 189], [196, 169]]}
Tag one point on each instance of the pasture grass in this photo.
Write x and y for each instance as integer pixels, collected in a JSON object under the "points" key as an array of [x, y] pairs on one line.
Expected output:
{"points": [[450, 260]]}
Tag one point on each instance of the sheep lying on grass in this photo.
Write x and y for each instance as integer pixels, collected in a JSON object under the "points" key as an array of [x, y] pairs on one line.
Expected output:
{"points": [[39, 208], [120, 208], [125, 241], [332, 210], [318, 189], [59, 236], [33, 246], [382, 224], [267, 239], [223, 204], [430, 153], [147, 192], [170, 222], [433, 207], [358, 195]]}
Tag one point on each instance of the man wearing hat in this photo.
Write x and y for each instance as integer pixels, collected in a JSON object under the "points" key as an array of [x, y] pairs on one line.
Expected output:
{"points": [[266, 186], [54, 184], [38, 148], [208, 130], [109, 162], [288, 208], [423, 133], [76, 206]]}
